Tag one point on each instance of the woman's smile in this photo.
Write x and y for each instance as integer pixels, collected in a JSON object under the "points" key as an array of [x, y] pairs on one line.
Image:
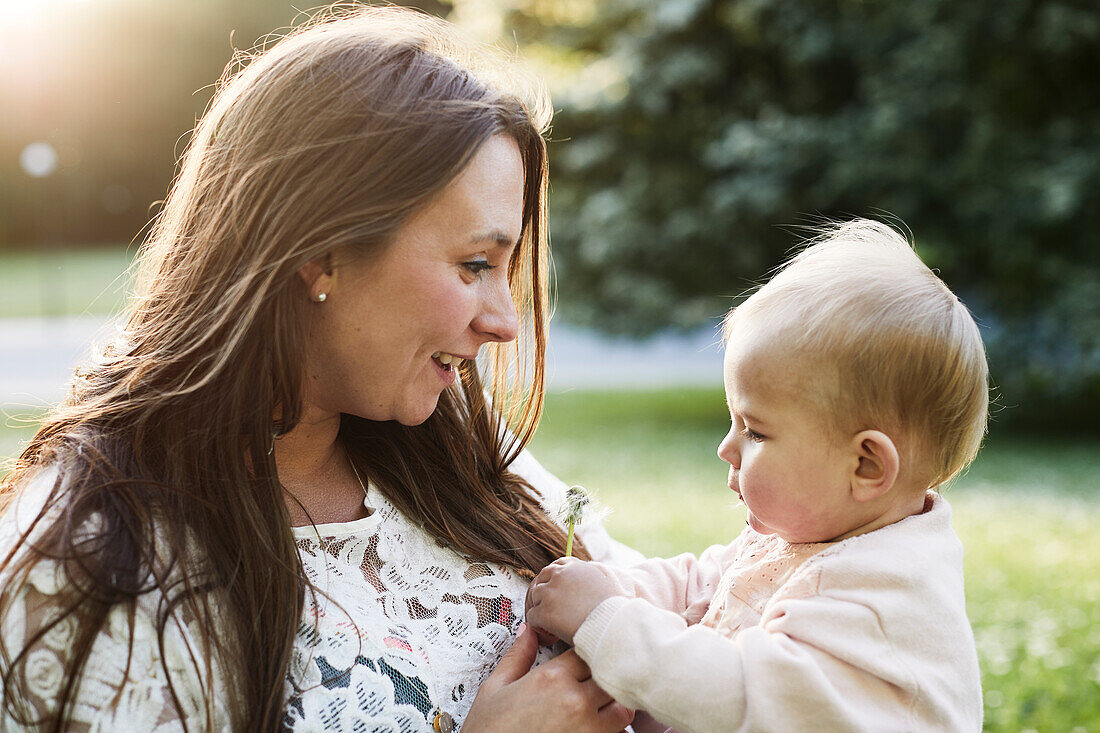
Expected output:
{"points": [[446, 365]]}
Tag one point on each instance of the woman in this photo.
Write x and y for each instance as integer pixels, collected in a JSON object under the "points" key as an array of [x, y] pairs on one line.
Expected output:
{"points": [[282, 498]]}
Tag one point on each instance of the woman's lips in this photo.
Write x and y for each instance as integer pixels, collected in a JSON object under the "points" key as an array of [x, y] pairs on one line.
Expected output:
{"points": [[447, 364], [446, 371], [446, 360]]}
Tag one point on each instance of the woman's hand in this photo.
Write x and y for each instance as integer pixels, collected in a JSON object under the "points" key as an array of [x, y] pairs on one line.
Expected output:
{"points": [[560, 598], [556, 697]]}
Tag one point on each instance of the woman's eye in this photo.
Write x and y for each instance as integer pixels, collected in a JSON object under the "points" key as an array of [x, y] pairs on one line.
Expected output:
{"points": [[477, 267]]}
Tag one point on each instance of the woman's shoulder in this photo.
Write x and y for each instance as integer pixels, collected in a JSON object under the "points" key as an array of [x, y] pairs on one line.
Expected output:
{"points": [[34, 502], [550, 488], [124, 681], [25, 498], [133, 674]]}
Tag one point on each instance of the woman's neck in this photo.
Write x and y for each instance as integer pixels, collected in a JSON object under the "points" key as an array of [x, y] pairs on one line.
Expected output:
{"points": [[315, 471]]}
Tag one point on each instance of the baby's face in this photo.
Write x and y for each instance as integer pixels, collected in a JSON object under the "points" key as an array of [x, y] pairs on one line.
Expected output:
{"points": [[790, 471]]}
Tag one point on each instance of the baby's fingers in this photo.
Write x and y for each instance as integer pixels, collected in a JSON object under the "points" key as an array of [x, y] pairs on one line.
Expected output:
{"points": [[545, 637], [538, 619]]}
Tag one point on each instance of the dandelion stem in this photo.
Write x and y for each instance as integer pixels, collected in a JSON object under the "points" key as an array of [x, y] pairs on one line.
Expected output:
{"points": [[575, 501]]}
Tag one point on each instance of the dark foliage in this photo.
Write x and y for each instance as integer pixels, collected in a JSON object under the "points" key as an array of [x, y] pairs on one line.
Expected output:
{"points": [[975, 123], [698, 137]]}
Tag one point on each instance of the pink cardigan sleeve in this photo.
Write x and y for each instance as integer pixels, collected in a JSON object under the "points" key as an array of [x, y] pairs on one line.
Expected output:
{"points": [[694, 679], [684, 584], [872, 636]]}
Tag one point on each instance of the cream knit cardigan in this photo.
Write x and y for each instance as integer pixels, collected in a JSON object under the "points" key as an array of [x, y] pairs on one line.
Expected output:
{"points": [[866, 634]]}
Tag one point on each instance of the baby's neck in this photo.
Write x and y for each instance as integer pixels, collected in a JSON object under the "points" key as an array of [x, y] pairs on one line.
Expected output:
{"points": [[907, 502]]}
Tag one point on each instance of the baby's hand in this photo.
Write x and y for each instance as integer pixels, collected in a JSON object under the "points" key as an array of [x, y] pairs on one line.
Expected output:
{"points": [[560, 598]]}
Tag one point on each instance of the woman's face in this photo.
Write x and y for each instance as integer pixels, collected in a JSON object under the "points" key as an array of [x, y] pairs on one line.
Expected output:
{"points": [[381, 340]]}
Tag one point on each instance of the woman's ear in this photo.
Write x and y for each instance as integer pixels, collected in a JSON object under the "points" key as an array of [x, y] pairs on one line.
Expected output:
{"points": [[878, 465], [317, 275]]}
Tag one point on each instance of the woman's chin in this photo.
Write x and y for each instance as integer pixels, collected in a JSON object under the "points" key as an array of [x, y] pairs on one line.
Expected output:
{"points": [[417, 415]]}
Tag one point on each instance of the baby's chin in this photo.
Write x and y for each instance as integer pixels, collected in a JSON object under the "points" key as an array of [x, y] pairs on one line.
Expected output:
{"points": [[759, 526]]}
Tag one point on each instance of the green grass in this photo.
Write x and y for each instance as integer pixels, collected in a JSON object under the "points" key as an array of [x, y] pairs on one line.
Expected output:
{"points": [[63, 282], [650, 458], [1027, 513]]}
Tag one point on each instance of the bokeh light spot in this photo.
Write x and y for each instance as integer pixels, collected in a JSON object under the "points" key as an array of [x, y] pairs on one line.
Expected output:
{"points": [[38, 159]]}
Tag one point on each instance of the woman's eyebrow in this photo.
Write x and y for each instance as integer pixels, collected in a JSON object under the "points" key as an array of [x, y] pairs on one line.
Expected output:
{"points": [[494, 235]]}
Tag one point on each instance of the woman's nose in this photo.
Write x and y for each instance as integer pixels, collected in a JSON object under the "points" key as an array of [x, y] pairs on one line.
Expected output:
{"points": [[497, 320], [728, 450]]}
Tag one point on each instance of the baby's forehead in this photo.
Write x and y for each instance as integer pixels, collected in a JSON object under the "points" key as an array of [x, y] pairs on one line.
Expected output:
{"points": [[762, 363], [774, 365], [750, 347]]}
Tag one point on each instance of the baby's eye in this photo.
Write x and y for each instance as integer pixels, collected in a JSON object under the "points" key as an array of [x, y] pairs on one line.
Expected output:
{"points": [[752, 435], [477, 267]]}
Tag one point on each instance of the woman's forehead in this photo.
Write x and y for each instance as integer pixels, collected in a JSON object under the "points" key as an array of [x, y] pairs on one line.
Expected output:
{"points": [[484, 202]]}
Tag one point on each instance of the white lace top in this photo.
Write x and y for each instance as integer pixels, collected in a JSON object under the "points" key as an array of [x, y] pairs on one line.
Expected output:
{"points": [[408, 631]]}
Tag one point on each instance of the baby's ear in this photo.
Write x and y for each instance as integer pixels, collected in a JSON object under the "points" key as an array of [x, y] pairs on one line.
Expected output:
{"points": [[877, 467]]}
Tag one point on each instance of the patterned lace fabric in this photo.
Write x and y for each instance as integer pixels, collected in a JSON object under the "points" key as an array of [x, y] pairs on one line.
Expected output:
{"points": [[409, 629], [763, 564], [402, 628]]}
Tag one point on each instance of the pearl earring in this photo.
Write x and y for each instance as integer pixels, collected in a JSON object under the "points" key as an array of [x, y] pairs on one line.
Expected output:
{"points": [[321, 297]]}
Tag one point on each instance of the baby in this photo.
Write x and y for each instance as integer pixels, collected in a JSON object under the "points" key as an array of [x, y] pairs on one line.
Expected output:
{"points": [[857, 385]]}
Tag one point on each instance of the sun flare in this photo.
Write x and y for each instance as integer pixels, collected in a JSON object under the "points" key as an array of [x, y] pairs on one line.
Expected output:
{"points": [[21, 12]]}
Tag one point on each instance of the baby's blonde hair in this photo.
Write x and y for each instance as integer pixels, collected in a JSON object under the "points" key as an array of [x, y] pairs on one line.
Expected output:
{"points": [[891, 347]]}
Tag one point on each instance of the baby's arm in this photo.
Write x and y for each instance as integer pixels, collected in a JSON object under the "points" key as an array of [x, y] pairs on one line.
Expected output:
{"points": [[569, 589], [695, 679], [684, 584]]}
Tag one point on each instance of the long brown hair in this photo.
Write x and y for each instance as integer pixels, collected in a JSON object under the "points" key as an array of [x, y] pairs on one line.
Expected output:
{"points": [[328, 139]]}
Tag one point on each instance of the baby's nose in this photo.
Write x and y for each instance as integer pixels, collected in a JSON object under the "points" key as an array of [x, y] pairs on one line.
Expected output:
{"points": [[728, 450]]}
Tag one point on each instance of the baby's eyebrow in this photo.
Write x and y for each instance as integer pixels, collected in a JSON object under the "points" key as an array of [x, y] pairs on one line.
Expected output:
{"points": [[751, 418], [744, 415]]}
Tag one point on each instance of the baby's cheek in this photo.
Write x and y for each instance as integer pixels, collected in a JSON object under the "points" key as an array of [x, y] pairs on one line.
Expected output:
{"points": [[759, 496]]}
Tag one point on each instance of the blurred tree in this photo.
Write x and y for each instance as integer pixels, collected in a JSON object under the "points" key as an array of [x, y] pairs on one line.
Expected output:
{"points": [[689, 132], [694, 127]]}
